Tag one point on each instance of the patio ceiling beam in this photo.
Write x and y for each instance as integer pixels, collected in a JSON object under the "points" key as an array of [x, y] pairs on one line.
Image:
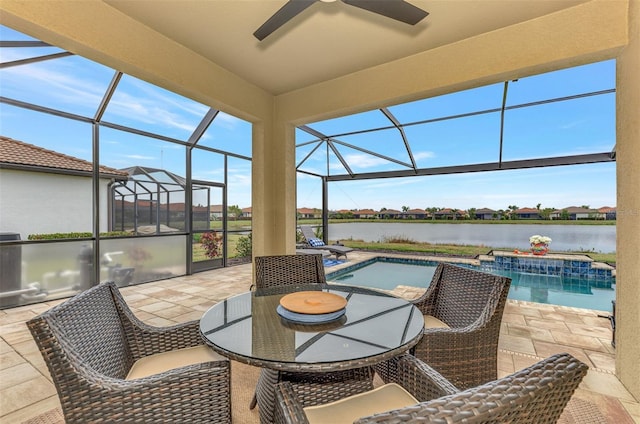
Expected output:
{"points": [[372, 153], [331, 141], [313, 174], [42, 109], [117, 76], [319, 143], [4, 65], [484, 167], [24, 43], [202, 126], [313, 132], [398, 126], [339, 156], [502, 110]]}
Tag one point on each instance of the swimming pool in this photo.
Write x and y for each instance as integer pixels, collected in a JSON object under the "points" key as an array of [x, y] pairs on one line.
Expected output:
{"points": [[387, 273]]}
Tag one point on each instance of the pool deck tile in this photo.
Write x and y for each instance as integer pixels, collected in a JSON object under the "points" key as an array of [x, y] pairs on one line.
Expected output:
{"points": [[529, 333]]}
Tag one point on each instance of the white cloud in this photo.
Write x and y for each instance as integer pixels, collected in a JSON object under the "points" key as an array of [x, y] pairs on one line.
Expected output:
{"points": [[140, 157], [423, 155]]}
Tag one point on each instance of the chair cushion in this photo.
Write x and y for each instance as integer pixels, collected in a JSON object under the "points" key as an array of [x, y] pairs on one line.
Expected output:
{"points": [[316, 242], [433, 322], [385, 398], [165, 361]]}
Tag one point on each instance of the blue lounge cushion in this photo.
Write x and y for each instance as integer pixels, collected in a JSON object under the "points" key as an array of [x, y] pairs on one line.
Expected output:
{"points": [[316, 242]]}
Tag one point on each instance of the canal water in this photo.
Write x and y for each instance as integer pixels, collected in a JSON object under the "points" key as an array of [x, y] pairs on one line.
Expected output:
{"points": [[595, 238]]}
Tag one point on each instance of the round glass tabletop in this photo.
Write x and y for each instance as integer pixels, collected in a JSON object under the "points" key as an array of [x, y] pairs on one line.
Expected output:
{"points": [[375, 326]]}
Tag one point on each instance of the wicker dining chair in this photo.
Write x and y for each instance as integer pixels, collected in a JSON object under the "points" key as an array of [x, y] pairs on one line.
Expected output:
{"points": [[535, 395], [273, 272], [108, 366], [467, 306], [289, 270]]}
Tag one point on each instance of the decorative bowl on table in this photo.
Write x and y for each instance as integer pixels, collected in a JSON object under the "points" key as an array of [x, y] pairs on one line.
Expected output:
{"points": [[311, 307]]}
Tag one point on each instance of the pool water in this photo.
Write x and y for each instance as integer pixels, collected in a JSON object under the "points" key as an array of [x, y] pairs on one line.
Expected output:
{"points": [[550, 289]]}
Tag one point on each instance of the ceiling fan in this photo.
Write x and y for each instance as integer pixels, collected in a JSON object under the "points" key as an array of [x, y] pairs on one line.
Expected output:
{"points": [[399, 10]]}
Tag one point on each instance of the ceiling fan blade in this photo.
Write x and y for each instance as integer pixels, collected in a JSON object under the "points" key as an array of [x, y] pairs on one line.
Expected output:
{"points": [[281, 17], [399, 10]]}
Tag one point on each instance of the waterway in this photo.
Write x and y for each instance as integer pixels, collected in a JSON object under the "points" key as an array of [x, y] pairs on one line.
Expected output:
{"points": [[595, 238]]}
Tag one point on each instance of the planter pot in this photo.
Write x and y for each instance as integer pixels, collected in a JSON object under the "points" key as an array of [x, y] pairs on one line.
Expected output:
{"points": [[539, 249]]}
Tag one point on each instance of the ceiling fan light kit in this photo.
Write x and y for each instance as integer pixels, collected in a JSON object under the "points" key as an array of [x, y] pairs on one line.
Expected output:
{"points": [[398, 10]]}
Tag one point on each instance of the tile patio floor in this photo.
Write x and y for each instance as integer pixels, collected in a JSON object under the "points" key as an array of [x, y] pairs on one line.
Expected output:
{"points": [[530, 332]]}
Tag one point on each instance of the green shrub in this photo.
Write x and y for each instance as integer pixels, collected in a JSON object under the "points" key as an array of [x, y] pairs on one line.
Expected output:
{"points": [[79, 235], [243, 247], [212, 243]]}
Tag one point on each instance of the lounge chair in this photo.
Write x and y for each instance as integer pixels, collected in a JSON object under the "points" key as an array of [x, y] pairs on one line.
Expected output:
{"points": [[535, 395], [313, 242]]}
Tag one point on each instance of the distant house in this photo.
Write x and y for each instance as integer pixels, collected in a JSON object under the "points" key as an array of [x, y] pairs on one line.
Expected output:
{"points": [[487, 214], [448, 213], [415, 214], [309, 213], [607, 212], [575, 213], [34, 178], [246, 212], [216, 212], [527, 213], [390, 214], [342, 213], [365, 214]]}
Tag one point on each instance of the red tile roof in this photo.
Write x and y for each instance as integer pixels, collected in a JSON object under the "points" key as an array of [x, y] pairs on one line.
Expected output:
{"points": [[19, 153]]}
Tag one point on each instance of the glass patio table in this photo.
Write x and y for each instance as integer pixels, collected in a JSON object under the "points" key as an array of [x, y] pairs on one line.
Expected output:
{"points": [[376, 326]]}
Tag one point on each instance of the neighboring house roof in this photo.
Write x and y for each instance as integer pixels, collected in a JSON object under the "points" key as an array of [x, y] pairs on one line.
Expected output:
{"points": [[17, 154], [307, 211], [576, 209], [606, 209], [390, 212], [365, 212], [527, 210], [448, 211], [484, 211]]}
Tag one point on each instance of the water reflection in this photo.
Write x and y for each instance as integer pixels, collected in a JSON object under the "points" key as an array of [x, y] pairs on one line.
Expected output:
{"points": [[596, 238]]}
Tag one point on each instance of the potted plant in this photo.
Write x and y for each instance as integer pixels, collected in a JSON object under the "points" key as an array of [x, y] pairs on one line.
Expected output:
{"points": [[539, 244]]}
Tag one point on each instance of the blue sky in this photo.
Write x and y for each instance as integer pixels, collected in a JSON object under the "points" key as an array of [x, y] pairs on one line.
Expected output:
{"points": [[585, 125]]}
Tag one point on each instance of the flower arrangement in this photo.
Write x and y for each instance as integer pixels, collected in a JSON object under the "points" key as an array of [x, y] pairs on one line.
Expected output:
{"points": [[539, 244], [537, 239]]}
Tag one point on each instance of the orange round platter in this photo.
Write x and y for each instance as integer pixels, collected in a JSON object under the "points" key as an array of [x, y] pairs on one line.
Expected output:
{"points": [[313, 302]]}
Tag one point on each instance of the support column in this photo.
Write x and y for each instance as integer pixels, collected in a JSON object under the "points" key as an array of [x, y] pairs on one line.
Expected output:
{"points": [[273, 189], [628, 204]]}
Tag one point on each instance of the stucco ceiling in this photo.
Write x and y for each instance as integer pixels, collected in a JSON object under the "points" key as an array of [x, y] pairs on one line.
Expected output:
{"points": [[327, 40]]}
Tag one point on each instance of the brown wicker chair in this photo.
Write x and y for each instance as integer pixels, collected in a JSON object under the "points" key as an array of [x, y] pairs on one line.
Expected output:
{"points": [[535, 395], [91, 343], [273, 272], [471, 303], [289, 270]]}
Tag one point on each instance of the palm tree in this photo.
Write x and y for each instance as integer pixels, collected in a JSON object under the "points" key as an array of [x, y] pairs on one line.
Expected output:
{"points": [[432, 211]]}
